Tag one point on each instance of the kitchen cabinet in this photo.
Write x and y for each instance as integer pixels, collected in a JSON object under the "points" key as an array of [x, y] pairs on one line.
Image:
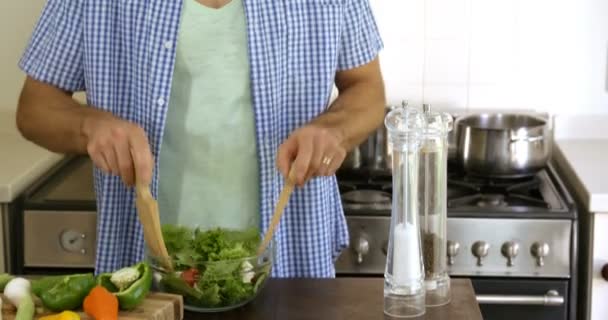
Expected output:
{"points": [[3, 233], [583, 164], [599, 281], [21, 165]]}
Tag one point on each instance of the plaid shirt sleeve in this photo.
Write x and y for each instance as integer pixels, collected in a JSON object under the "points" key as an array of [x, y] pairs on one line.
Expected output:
{"points": [[55, 51], [360, 41]]}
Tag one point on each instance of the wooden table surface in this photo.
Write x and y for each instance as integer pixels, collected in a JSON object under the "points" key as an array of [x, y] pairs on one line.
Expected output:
{"points": [[340, 298]]}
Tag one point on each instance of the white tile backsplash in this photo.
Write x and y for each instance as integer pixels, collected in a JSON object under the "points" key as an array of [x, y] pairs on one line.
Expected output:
{"points": [[493, 18], [494, 96], [492, 61], [542, 54], [606, 64], [399, 19], [446, 62], [412, 94], [446, 19], [492, 51], [446, 96], [405, 66]]}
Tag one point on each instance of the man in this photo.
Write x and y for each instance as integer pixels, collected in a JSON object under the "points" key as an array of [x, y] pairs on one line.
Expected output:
{"points": [[212, 102]]}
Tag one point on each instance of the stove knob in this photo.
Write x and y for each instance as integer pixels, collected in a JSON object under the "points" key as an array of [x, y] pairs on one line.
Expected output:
{"points": [[361, 248], [480, 250], [539, 250], [510, 250], [453, 248], [605, 272]]}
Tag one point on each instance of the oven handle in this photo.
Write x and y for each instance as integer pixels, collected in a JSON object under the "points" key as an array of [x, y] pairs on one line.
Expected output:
{"points": [[551, 298]]}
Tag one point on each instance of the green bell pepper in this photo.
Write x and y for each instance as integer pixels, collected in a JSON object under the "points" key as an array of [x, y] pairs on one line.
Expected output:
{"points": [[130, 285], [69, 293], [45, 283]]}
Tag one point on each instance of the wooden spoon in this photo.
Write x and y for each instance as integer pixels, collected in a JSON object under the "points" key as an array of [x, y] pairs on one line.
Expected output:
{"points": [[278, 210], [147, 209]]}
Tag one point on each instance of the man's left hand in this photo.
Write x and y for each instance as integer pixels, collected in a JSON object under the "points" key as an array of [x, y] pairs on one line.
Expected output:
{"points": [[313, 150]]}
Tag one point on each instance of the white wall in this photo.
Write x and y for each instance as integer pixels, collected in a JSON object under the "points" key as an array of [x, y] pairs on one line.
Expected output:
{"points": [[548, 55], [17, 19]]}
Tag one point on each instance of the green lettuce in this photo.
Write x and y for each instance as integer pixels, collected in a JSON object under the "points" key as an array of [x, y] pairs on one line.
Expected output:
{"points": [[223, 277]]}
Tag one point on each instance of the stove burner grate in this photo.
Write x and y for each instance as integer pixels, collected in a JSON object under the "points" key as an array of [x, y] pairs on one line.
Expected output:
{"points": [[366, 197], [492, 200], [496, 193], [523, 197], [369, 185]]}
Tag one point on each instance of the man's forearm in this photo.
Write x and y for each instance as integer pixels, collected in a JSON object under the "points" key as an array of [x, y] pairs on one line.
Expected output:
{"points": [[358, 111], [51, 118]]}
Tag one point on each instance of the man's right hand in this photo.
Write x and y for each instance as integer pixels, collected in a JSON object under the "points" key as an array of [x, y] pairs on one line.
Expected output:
{"points": [[47, 116], [118, 147]]}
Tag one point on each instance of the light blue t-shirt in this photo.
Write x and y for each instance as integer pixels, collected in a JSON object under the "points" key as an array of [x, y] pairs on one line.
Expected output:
{"points": [[209, 174]]}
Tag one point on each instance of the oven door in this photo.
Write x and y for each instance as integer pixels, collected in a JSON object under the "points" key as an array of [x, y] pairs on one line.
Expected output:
{"points": [[510, 298]]}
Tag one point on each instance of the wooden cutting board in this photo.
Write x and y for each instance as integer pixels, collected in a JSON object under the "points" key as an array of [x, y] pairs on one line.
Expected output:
{"points": [[156, 306]]}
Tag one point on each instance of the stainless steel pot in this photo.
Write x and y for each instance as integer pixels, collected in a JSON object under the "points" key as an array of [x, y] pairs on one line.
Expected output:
{"points": [[361, 156], [373, 154], [502, 145]]}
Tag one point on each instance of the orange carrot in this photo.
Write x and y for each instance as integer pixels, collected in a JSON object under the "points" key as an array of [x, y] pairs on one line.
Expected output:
{"points": [[101, 304]]}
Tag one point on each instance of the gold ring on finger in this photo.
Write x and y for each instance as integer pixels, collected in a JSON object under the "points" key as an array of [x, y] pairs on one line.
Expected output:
{"points": [[326, 161]]}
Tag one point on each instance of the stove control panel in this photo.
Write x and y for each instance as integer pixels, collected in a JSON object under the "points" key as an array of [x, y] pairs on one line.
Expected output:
{"points": [[367, 248], [475, 247], [539, 251], [509, 250], [452, 249], [361, 246], [480, 250], [510, 247]]}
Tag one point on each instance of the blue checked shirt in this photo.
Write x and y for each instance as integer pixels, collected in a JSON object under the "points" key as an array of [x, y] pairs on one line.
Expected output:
{"points": [[122, 53]]}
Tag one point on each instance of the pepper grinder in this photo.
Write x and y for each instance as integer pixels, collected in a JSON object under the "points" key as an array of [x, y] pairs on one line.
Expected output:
{"points": [[404, 294], [432, 195]]}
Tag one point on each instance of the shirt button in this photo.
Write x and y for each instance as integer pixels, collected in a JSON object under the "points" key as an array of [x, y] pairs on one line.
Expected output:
{"points": [[168, 44], [160, 101]]}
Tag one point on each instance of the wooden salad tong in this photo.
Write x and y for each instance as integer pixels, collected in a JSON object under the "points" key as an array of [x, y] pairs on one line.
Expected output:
{"points": [[278, 210], [147, 210]]}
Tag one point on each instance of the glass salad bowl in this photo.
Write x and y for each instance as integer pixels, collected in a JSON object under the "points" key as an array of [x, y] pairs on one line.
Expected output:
{"points": [[214, 270]]}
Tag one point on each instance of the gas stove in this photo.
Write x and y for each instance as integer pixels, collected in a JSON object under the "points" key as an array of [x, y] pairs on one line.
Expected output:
{"points": [[501, 233], [538, 196]]}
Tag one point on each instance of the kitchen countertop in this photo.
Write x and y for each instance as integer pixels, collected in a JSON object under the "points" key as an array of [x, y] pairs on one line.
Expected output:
{"points": [[22, 162], [584, 162], [340, 298]]}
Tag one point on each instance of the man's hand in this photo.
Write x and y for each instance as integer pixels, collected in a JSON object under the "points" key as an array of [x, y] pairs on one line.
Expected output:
{"points": [[319, 148], [119, 147], [51, 118], [313, 150]]}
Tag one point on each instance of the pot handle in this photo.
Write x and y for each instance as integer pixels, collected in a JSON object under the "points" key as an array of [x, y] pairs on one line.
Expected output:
{"points": [[526, 139]]}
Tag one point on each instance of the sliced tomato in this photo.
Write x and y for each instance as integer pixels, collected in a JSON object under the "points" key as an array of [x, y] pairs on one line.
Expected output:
{"points": [[190, 276]]}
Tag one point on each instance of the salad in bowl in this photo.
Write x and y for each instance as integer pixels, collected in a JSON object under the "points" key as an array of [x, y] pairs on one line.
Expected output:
{"points": [[214, 270]]}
